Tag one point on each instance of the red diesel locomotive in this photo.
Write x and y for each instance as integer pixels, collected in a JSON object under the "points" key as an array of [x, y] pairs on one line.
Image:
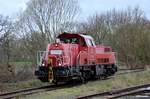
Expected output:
{"points": [[75, 56]]}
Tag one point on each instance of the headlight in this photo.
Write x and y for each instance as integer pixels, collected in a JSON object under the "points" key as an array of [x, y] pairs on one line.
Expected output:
{"points": [[43, 64], [59, 64]]}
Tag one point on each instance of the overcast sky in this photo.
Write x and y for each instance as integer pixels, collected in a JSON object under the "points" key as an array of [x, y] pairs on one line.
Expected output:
{"points": [[88, 7]]}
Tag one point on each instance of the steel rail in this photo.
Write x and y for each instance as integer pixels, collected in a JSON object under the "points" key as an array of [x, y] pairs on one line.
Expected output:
{"points": [[24, 91], [126, 71], [119, 93]]}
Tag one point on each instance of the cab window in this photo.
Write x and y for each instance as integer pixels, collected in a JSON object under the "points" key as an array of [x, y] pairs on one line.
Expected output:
{"points": [[89, 42]]}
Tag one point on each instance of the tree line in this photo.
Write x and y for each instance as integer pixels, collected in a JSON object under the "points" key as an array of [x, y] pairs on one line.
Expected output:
{"points": [[126, 31]]}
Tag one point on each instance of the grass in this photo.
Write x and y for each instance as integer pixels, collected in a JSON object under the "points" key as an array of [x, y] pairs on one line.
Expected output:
{"points": [[21, 64], [117, 82]]}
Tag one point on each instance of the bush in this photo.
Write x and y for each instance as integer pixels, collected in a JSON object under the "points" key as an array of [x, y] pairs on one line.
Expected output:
{"points": [[11, 73]]}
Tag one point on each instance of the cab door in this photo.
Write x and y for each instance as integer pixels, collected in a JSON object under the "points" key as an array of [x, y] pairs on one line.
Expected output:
{"points": [[91, 51]]}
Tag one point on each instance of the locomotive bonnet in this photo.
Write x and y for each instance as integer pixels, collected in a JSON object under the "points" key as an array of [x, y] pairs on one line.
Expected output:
{"points": [[75, 57]]}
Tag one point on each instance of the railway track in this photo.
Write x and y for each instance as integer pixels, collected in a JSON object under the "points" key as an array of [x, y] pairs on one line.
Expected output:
{"points": [[126, 71], [136, 90], [24, 92], [29, 91]]}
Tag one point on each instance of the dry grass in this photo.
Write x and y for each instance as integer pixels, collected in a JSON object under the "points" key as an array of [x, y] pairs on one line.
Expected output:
{"points": [[7, 87], [117, 82]]}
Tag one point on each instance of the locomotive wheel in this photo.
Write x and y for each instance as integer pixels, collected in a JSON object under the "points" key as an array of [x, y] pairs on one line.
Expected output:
{"points": [[82, 79], [104, 76], [55, 82], [43, 79], [99, 77]]}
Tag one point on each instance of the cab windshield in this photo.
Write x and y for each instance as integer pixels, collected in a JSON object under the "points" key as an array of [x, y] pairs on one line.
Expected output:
{"points": [[70, 40]]}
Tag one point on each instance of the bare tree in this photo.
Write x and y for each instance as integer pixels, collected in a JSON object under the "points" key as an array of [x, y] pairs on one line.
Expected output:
{"points": [[6, 48], [49, 17], [5, 34], [96, 26], [43, 20]]}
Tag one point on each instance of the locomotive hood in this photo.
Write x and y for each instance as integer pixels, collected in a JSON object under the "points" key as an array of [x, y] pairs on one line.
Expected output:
{"points": [[55, 46]]}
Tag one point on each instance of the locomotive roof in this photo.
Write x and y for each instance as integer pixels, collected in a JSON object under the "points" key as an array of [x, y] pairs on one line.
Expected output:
{"points": [[74, 35]]}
